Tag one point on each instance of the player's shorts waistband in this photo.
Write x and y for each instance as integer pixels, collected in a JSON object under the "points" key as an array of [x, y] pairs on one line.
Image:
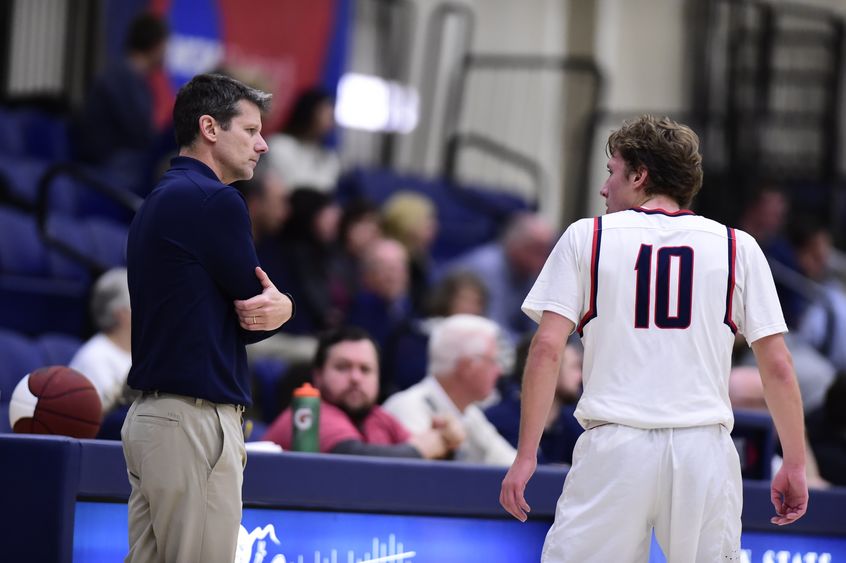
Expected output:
{"points": [[196, 401]]}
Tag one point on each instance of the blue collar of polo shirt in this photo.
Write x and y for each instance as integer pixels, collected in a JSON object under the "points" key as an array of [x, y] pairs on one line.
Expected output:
{"points": [[192, 164]]}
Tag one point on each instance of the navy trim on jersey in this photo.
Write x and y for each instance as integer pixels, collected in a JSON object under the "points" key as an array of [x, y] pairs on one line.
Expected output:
{"points": [[732, 256], [659, 211], [594, 273]]}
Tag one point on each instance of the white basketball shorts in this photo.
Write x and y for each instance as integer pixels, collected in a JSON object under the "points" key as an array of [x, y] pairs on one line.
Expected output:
{"points": [[684, 483]]}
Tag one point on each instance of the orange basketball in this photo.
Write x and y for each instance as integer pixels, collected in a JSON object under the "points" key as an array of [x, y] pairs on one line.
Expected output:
{"points": [[56, 400]]}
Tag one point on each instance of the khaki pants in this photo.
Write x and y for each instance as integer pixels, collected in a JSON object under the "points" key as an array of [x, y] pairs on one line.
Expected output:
{"points": [[682, 482], [185, 458]]}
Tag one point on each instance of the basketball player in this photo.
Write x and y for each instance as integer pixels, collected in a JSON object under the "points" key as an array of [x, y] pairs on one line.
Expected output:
{"points": [[657, 295]]}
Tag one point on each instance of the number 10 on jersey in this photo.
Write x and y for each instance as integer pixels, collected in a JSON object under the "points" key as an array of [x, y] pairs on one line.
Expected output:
{"points": [[673, 265]]}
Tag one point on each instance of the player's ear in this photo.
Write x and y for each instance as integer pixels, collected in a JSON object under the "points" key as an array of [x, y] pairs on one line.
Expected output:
{"points": [[640, 176]]}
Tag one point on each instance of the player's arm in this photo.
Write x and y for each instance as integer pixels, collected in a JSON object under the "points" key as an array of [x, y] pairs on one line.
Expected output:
{"points": [[781, 391], [539, 380]]}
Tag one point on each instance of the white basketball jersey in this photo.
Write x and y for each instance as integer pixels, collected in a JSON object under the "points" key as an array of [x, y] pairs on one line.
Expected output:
{"points": [[657, 298]]}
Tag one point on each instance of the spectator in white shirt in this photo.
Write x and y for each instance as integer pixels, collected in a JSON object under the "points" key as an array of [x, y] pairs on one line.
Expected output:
{"points": [[463, 369], [299, 153], [105, 358]]}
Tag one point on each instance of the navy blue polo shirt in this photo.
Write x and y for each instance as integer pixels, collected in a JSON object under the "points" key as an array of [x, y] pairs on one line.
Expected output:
{"points": [[190, 255]]}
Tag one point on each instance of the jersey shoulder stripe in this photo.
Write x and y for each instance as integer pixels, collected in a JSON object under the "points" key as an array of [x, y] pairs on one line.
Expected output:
{"points": [[594, 274], [732, 257]]}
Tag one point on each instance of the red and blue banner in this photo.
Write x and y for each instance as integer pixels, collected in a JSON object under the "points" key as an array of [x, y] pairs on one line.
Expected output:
{"points": [[282, 46]]}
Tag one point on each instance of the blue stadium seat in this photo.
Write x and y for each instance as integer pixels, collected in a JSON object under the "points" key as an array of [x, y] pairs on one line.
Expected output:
{"points": [[35, 296], [21, 249], [267, 373], [468, 216], [108, 241], [11, 141], [57, 349], [34, 305], [18, 357], [405, 358], [100, 240], [44, 135], [254, 430], [20, 178]]}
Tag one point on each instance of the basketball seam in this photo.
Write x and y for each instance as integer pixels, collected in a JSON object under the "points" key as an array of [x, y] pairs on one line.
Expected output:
{"points": [[42, 423], [69, 392], [65, 415], [47, 382]]}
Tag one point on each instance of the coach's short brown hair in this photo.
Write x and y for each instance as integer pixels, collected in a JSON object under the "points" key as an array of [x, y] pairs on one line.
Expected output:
{"points": [[668, 150]]}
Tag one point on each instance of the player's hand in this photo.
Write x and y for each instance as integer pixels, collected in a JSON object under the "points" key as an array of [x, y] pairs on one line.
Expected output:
{"points": [[789, 494], [514, 487], [266, 311], [451, 429]]}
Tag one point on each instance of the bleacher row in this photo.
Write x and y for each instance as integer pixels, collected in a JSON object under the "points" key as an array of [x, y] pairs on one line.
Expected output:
{"points": [[58, 231]]}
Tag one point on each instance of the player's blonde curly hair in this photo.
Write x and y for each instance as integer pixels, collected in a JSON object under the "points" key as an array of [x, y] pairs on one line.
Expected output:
{"points": [[667, 149]]}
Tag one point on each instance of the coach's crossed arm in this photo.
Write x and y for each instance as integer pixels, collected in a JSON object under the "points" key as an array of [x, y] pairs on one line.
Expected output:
{"points": [[268, 310]]}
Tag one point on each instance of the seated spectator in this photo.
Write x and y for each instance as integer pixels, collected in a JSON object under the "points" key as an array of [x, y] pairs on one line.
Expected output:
{"points": [[508, 269], [458, 293], [763, 217], [307, 243], [116, 125], [299, 153], [463, 368], [105, 358], [346, 372], [267, 202], [359, 228], [411, 218], [405, 355], [561, 429], [814, 373], [823, 323], [382, 304], [827, 433]]}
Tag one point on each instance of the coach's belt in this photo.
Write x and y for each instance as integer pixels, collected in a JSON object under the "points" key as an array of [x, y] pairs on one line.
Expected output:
{"points": [[196, 400]]}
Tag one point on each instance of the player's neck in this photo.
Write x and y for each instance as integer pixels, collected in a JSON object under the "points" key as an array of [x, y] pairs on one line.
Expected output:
{"points": [[659, 202]]}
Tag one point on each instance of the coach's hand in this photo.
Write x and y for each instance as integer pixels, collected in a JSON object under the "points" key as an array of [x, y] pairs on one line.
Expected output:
{"points": [[789, 494], [514, 486], [266, 311]]}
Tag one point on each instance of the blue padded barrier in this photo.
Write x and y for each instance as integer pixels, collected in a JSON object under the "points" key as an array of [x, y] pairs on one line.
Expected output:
{"points": [[39, 472], [40, 479]]}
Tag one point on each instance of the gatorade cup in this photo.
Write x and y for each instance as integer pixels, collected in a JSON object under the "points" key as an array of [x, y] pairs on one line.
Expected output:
{"points": [[306, 408]]}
